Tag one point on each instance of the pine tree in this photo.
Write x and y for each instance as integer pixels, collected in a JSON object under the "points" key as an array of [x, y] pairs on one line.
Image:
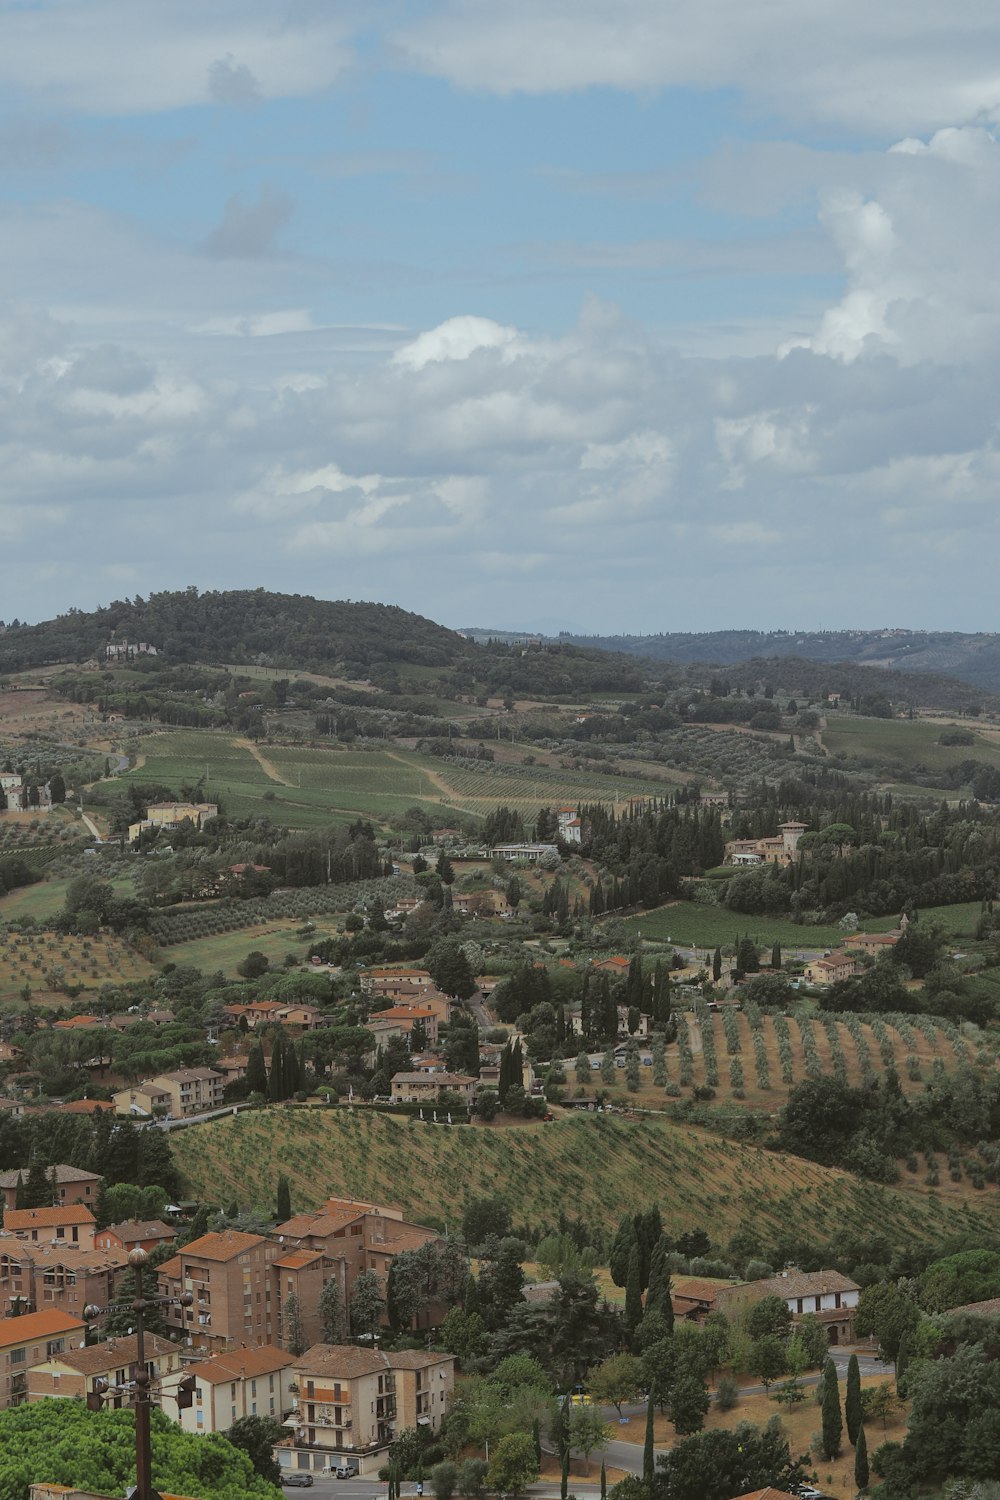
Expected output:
{"points": [[283, 1210], [852, 1400], [833, 1422], [633, 1290], [861, 1474], [648, 1454]]}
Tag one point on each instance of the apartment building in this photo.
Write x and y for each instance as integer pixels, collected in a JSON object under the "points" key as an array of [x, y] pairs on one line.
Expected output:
{"points": [[363, 1236], [74, 1371], [72, 1224], [70, 1185], [352, 1402], [242, 1383], [393, 981], [230, 1277], [29, 1340], [36, 1277], [188, 1091]]}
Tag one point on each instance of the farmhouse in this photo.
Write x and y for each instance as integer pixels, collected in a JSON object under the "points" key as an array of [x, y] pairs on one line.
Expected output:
{"points": [[779, 850], [399, 1020], [872, 943], [835, 966], [423, 1088], [391, 981], [828, 1295], [168, 815]]}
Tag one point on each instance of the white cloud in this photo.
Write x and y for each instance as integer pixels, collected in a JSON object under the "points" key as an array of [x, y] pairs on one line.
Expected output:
{"points": [[848, 62], [458, 338], [110, 57]]}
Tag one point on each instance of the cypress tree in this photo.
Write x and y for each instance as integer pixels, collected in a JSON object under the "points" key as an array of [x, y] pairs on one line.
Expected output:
{"points": [[633, 1290], [902, 1360], [716, 965], [38, 1189], [648, 1457], [470, 1303], [564, 1478], [833, 1422], [604, 1480], [20, 1192], [658, 1298], [776, 956], [256, 1074], [861, 1475], [276, 1080], [621, 1249], [536, 1438], [852, 1400], [284, 1199], [562, 1432]]}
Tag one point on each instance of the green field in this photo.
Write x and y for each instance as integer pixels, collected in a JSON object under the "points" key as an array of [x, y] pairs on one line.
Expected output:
{"points": [[227, 949], [597, 1165], [692, 925], [43, 900], [905, 743], [306, 787]]}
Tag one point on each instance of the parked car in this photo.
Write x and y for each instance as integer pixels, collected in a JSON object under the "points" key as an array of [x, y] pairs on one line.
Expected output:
{"points": [[296, 1478], [347, 1468]]}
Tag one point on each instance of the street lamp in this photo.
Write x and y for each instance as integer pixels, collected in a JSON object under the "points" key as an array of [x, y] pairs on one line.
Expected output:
{"points": [[138, 1389]]}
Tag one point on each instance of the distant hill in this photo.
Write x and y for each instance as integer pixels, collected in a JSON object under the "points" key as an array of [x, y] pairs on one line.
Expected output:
{"points": [[974, 659], [238, 626]]}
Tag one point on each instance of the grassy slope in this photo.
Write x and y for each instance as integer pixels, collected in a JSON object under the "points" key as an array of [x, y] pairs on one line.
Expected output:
{"points": [[909, 743], [690, 924], [597, 1166]]}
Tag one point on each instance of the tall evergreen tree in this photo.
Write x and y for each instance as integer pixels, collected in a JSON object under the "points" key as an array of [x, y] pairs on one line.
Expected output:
{"points": [[833, 1422], [564, 1477], [333, 1313], [294, 1336], [658, 1296], [276, 1080], [648, 1451], [716, 965], [38, 1189], [604, 1480], [861, 1474], [256, 1074], [776, 956], [20, 1192], [633, 1290], [621, 1249], [852, 1400], [283, 1208]]}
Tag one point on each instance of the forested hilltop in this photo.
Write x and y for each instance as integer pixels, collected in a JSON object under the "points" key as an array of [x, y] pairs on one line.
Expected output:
{"points": [[236, 626]]}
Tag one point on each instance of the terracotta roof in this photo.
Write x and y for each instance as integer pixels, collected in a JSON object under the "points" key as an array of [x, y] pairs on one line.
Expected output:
{"points": [[187, 1075], [37, 1325], [73, 1021], [415, 1359], [63, 1174], [695, 1290], [804, 1284], [349, 1362], [114, 1354], [319, 1223], [170, 1268], [402, 1013], [224, 1246], [85, 1106], [133, 1230], [41, 1218], [296, 1259], [242, 1364], [988, 1309], [69, 1256], [442, 1080]]}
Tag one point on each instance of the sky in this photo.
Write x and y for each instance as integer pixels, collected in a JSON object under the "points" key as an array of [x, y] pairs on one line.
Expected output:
{"points": [[600, 315]]}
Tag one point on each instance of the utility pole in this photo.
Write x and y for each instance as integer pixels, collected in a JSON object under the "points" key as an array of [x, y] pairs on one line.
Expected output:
{"points": [[138, 1389]]}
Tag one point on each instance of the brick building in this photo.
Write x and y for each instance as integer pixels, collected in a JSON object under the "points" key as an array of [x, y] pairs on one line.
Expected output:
{"points": [[71, 1185], [36, 1277], [73, 1371], [70, 1224], [28, 1340]]}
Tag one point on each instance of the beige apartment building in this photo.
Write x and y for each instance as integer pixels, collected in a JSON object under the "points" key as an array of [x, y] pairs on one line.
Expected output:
{"points": [[74, 1371], [28, 1340], [188, 1091], [72, 1224], [242, 1383], [352, 1402]]}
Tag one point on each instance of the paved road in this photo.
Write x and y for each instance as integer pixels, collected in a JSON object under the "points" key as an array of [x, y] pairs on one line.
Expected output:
{"points": [[324, 1487]]}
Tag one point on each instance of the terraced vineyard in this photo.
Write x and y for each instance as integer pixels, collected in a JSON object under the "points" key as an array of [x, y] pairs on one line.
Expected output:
{"points": [[754, 1058], [310, 786], [601, 1164]]}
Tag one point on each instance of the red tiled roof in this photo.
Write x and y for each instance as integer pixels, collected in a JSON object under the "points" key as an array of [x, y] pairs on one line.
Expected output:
{"points": [[38, 1218], [224, 1246], [242, 1364], [37, 1325]]}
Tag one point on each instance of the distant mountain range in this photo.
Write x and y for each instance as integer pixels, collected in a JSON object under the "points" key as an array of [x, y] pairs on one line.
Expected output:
{"points": [[974, 659]]}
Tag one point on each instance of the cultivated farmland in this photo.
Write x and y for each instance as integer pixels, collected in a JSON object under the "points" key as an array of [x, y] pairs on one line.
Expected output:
{"points": [[46, 960], [594, 1167]]}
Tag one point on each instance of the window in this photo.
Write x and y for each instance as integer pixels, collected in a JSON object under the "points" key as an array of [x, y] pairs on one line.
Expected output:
{"points": [[17, 1356], [253, 1387], [232, 1390]]}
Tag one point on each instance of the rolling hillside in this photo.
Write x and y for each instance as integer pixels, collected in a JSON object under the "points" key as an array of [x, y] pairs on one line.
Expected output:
{"points": [[593, 1166]]}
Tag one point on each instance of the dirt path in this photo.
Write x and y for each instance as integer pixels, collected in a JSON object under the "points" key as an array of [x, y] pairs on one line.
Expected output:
{"points": [[269, 769]]}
